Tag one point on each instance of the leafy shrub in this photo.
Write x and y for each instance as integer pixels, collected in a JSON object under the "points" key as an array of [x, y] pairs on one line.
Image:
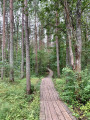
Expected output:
{"points": [[75, 92], [85, 86], [74, 88], [70, 85], [86, 109]]}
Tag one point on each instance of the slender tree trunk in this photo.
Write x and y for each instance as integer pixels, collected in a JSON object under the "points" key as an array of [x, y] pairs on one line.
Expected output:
{"points": [[0, 38], [67, 53], [36, 47], [86, 42], [85, 47], [11, 42], [17, 40], [28, 84], [41, 36], [39, 33], [3, 40], [67, 46], [69, 32], [22, 42], [8, 48], [78, 36], [7, 36], [57, 47], [40, 40], [48, 41]]}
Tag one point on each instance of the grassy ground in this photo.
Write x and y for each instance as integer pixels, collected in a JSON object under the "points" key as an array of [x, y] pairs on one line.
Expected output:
{"points": [[15, 104]]}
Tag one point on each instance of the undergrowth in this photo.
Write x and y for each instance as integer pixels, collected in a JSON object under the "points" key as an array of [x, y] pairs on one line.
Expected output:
{"points": [[75, 92], [15, 104]]}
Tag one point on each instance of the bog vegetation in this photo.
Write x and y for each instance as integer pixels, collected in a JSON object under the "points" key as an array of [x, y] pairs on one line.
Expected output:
{"points": [[40, 34]]}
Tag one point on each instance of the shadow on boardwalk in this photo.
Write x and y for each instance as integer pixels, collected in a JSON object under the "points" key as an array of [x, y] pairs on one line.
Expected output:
{"points": [[51, 107]]}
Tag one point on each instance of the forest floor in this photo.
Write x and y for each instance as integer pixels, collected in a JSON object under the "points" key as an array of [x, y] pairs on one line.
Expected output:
{"points": [[15, 104], [51, 107]]}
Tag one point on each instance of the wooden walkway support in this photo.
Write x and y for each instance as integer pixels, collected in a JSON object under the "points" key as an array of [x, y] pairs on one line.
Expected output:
{"points": [[51, 107]]}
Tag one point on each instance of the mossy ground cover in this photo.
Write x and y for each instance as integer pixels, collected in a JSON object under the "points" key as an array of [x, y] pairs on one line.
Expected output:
{"points": [[15, 104]]}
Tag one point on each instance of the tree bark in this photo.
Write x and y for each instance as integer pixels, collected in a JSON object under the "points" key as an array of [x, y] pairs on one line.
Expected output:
{"points": [[28, 84], [78, 38], [17, 39], [7, 35], [67, 53], [41, 36], [11, 42], [36, 47], [48, 40], [39, 33], [0, 38], [69, 32], [57, 46], [22, 42], [3, 40]]}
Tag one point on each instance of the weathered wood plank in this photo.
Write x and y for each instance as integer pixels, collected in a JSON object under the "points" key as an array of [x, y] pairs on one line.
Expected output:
{"points": [[47, 111], [42, 111], [59, 113]]}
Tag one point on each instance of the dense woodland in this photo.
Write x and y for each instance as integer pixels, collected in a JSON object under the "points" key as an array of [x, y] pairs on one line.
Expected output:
{"points": [[40, 34]]}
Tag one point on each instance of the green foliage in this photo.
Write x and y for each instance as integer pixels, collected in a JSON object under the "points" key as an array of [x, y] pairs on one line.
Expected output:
{"points": [[75, 91], [15, 104], [70, 85], [86, 109], [85, 86], [76, 88]]}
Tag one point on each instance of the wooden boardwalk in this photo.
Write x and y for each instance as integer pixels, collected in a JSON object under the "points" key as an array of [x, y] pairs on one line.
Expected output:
{"points": [[51, 107]]}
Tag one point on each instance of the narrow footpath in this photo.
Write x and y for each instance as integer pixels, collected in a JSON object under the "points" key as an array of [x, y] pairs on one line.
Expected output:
{"points": [[51, 107]]}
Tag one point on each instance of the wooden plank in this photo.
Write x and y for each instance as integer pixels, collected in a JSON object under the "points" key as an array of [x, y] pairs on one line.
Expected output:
{"points": [[59, 113], [47, 111], [42, 111], [66, 115], [53, 112], [64, 112]]}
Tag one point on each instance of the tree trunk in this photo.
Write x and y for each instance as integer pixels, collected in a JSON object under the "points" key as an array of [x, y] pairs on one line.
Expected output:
{"points": [[67, 53], [69, 32], [22, 42], [7, 36], [48, 40], [3, 40], [0, 38], [39, 33], [78, 37], [11, 42], [36, 47], [28, 84], [17, 39], [57, 47], [41, 36]]}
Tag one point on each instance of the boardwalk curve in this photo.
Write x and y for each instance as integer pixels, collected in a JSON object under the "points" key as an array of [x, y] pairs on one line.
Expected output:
{"points": [[51, 107]]}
